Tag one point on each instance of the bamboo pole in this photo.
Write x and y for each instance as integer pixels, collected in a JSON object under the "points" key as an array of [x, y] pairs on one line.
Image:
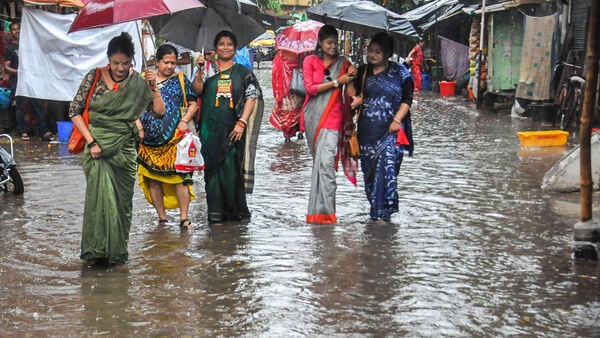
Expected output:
{"points": [[478, 72], [589, 96]]}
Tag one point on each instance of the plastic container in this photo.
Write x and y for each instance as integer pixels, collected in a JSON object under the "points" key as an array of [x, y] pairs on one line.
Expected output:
{"points": [[543, 138], [426, 78], [64, 130], [447, 88], [5, 97]]}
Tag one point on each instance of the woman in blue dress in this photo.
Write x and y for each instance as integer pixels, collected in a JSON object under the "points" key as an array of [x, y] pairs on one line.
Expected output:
{"points": [[384, 89]]}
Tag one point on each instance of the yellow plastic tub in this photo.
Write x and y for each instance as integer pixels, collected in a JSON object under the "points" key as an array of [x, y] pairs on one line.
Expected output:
{"points": [[543, 138]]}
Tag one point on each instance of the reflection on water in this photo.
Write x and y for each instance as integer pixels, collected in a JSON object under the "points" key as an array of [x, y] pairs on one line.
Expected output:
{"points": [[477, 248]]}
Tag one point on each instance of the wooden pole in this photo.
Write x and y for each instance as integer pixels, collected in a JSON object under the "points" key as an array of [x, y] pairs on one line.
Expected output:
{"points": [[478, 71], [591, 63]]}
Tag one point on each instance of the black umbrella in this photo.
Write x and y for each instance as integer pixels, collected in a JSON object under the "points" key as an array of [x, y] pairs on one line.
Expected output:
{"points": [[196, 28], [362, 17]]}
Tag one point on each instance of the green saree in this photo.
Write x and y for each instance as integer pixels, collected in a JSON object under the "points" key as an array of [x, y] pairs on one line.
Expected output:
{"points": [[111, 178], [229, 172]]}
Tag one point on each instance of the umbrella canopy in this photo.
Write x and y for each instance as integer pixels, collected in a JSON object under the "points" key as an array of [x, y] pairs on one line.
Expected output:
{"points": [[299, 38], [363, 17], [196, 28], [429, 14], [101, 13], [66, 3]]}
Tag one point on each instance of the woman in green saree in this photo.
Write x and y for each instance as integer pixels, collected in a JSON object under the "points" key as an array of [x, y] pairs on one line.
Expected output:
{"points": [[118, 97], [232, 109]]}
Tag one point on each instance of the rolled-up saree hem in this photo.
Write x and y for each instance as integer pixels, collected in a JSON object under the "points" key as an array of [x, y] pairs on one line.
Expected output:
{"points": [[321, 218]]}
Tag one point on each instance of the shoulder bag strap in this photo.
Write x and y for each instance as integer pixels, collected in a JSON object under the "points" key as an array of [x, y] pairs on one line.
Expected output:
{"points": [[182, 83], [86, 114], [362, 92]]}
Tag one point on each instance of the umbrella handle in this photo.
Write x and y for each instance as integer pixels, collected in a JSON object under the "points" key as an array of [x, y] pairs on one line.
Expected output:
{"points": [[137, 25]]}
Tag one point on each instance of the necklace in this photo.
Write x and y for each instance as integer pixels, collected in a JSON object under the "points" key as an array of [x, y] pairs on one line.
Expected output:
{"points": [[160, 84], [116, 83], [110, 73], [226, 68]]}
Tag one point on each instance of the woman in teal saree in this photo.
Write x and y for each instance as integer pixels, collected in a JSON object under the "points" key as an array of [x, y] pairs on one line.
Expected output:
{"points": [[232, 110], [118, 97]]}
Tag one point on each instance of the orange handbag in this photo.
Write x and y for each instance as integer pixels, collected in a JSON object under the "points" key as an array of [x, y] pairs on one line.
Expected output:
{"points": [[77, 141]]}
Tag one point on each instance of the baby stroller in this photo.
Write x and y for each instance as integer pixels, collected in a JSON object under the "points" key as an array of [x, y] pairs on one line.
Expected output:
{"points": [[10, 178]]}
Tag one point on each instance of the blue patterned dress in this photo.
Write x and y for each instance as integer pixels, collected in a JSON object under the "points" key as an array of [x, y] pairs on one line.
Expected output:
{"points": [[158, 130], [380, 156]]}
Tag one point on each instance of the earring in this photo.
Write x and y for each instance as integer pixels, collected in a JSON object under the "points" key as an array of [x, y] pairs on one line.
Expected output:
{"points": [[320, 52]]}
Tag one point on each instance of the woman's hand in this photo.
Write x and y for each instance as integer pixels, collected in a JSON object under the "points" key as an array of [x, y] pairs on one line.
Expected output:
{"points": [[237, 132], [200, 61], [348, 77], [95, 151], [141, 134], [352, 71], [344, 79], [356, 101], [150, 76], [183, 126], [395, 126]]}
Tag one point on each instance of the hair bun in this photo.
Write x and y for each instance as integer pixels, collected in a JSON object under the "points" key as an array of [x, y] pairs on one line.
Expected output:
{"points": [[126, 36]]}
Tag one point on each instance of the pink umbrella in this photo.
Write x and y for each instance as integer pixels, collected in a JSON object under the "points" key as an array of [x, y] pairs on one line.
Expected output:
{"points": [[299, 38], [100, 13]]}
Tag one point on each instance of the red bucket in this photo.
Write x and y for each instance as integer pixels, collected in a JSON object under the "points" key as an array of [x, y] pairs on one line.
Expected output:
{"points": [[447, 88]]}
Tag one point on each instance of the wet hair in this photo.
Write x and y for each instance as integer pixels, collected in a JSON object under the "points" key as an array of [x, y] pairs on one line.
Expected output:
{"points": [[225, 34], [327, 31], [165, 49], [385, 41], [121, 44]]}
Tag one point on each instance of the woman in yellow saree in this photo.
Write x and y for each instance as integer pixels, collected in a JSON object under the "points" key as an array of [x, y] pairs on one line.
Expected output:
{"points": [[163, 186]]}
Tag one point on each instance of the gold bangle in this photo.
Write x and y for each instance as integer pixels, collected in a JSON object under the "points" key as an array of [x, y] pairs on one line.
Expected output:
{"points": [[140, 128], [396, 120], [185, 121]]}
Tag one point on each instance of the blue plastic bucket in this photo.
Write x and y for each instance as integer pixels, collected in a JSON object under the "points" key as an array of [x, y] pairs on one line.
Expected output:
{"points": [[4, 97], [426, 78], [64, 130]]}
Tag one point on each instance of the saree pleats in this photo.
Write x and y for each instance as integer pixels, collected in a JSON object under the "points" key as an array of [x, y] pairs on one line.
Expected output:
{"points": [[321, 203], [108, 205], [225, 199], [380, 170]]}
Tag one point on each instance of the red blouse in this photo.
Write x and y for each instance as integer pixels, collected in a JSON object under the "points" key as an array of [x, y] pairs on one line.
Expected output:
{"points": [[314, 73]]}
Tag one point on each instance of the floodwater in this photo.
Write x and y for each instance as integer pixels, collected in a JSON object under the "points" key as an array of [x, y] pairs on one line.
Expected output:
{"points": [[477, 249]]}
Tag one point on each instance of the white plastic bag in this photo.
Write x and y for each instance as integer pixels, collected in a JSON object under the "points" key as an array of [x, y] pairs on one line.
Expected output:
{"points": [[188, 157]]}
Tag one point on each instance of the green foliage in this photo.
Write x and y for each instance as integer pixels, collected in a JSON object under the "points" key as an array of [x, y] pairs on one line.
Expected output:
{"points": [[274, 5]]}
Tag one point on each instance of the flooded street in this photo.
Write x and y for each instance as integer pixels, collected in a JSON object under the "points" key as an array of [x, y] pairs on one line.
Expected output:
{"points": [[477, 249]]}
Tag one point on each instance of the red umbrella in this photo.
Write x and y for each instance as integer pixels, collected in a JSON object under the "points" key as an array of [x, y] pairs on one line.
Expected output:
{"points": [[100, 13], [299, 38]]}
